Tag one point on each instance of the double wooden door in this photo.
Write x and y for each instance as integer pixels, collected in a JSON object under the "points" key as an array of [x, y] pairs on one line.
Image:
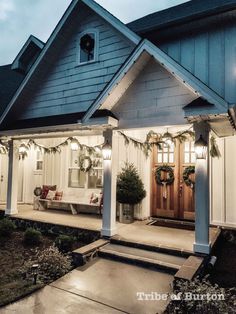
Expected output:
{"points": [[177, 199]]}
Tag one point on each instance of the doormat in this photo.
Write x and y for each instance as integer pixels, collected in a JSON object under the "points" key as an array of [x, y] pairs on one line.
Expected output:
{"points": [[169, 223]]}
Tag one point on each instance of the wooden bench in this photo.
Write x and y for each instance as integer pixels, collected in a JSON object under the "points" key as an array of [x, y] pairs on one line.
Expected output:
{"points": [[43, 204]]}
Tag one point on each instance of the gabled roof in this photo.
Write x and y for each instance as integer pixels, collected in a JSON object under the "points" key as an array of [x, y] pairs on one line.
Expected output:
{"points": [[146, 47], [97, 9], [28, 54], [9, 82], [180, 14]]}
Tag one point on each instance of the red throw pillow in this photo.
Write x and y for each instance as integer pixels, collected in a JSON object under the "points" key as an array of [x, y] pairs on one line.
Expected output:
{"points": [[46, 189], [44, 194], [50, 187]]}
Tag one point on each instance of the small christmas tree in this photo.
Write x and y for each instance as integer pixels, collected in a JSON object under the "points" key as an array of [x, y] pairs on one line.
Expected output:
{"points": [[130, 188]]}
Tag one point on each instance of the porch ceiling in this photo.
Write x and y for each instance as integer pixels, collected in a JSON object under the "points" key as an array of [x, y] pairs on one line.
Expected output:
{"points": [[220, 124], [66, 124]]}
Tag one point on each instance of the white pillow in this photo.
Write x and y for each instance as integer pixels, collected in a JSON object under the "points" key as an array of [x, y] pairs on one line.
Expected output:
{"points": [[51, 195]]}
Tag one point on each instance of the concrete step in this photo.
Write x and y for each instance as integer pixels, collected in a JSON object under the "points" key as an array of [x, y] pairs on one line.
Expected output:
{"points": [[149, 247], [86, 253], [141, 257]]}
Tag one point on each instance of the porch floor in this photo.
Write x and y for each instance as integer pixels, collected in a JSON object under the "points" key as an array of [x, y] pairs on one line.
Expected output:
{"points": [[138, 232], [166, 237]]}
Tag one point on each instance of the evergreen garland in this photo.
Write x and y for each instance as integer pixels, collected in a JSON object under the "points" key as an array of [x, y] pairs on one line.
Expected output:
{"points": [[186, 176], [156, 139], [82, 165], [170, 175]]}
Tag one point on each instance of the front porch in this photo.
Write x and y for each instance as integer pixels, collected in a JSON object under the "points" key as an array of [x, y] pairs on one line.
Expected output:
{"points": [[138, 233], [52, 160]]}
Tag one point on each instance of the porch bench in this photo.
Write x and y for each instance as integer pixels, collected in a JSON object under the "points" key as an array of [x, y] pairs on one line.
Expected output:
{"points": [[43, 204]]}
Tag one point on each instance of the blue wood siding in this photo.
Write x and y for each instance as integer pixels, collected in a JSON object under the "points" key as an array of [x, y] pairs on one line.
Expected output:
{"points": [[69, 87], [210, 56]]}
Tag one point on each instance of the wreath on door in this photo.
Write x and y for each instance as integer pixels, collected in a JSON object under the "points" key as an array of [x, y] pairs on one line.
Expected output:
{"points": [[186, 176], [85, 163], [170, 175]]}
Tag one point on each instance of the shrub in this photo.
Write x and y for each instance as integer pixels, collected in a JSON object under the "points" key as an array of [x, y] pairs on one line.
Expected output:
{"points": [[32, 236], [130, 188], [52, 264], [64, 243], [199, 297], [6, 227]]}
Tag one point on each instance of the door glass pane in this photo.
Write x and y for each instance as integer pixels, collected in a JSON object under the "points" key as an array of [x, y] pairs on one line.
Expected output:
{"points": [[171, 157], [192, 146], [165, 157], [159, 158], [186, 146], [171, 147], [186, 158], [193, 158]]}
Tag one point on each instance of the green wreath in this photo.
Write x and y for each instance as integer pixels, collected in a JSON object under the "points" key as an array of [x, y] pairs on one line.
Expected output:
{"points": [[187, 172], [82, 160], [170, 175]]}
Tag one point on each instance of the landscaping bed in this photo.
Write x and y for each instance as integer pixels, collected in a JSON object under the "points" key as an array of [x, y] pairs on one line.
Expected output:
{"points": [[13, 254], [224, 271], [216, 285], [23, 251]]}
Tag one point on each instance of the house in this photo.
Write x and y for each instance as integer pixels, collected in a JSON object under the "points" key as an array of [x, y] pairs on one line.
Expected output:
{"points": [[97, 80]]}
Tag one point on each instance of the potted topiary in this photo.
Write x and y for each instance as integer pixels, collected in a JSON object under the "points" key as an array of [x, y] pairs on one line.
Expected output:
{"points": [[130, 191]]}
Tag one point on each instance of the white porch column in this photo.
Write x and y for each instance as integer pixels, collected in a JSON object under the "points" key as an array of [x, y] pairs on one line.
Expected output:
{"points": [[109, 189], [12, 185], [202, 207]]}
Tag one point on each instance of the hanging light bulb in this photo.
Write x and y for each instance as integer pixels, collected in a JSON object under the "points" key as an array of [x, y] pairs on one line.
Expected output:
{"points": [[167, 138], [23, 148], [74, 144], [106, 151], [200, 147]]}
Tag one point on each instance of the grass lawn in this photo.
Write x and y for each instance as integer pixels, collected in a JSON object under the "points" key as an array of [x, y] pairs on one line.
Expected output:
{"points": [[13, 254]]}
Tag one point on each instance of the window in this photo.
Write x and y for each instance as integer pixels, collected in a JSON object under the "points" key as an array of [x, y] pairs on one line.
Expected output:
{"points": [[189, 152], [166, 155], [39, 160], [92, 179], [87, 47]]}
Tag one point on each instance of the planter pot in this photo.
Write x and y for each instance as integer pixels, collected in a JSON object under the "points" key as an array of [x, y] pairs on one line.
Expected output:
{"points": [[126, 213]]}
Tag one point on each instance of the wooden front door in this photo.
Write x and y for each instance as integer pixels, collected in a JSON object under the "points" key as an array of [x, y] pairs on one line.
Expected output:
{"points": [[177, 199]]}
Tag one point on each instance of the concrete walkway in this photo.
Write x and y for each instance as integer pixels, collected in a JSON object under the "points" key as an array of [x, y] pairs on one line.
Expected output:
{"points": [[102, 287]]}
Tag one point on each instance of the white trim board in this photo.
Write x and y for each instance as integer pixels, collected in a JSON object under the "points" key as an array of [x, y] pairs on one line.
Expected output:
{"points": [[193, 83]]}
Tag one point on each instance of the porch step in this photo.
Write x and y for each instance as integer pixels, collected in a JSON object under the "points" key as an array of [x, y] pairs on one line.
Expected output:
{"points": [[87, 252], [142, 257], [150, 247]]}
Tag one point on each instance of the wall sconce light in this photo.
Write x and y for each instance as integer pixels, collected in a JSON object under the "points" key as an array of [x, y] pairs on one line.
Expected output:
{"points": [[23, 149], [106, 151], [74, 145], [200, 147]]}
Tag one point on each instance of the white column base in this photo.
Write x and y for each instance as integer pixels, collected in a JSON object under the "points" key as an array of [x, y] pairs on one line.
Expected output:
{"points": [[202, 248], [108, 232], [10, 212]]}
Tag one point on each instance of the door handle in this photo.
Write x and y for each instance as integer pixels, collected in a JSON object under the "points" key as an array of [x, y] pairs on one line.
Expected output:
{"points": [[2, 178], [180, 190]]}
